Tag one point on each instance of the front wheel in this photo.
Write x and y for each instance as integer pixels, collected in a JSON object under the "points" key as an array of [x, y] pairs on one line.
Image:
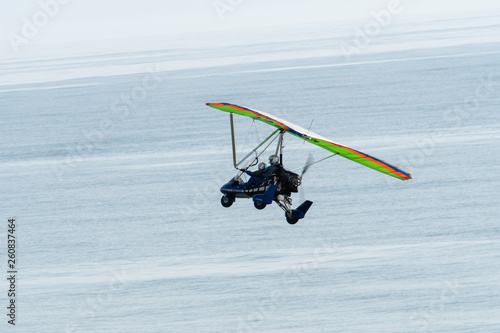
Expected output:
{"points": [[291, 219], [227, 201], [259, 205]]}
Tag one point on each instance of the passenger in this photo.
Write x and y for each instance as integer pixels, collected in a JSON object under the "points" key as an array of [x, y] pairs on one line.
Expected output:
{"points": [[255, 176]]}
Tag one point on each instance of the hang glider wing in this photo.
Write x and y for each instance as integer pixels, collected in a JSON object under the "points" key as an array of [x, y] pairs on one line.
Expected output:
{"points": [[346, 152]]}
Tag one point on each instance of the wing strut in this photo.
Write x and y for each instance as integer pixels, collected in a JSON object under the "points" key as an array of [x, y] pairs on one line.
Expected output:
{"points": [[232, 139]]}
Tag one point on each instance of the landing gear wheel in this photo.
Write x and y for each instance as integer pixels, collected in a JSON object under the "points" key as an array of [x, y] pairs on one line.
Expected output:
{"points": [[259, 205], [227, 201], [291, 219]]}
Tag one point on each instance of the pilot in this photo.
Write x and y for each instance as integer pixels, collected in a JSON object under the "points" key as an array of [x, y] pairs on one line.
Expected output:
{"points": [[255, 176], [273, 167]]}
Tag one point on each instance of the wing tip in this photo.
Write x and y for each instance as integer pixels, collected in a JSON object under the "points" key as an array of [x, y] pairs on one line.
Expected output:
{"points": [[406, 176]]}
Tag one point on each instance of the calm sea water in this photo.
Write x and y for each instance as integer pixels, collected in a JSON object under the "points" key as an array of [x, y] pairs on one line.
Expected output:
{"points": [[112, 164]]}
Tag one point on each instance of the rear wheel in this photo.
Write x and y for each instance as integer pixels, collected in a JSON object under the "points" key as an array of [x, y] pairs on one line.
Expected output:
{"points": [[291, 219], [259, 205], [227, 201]]}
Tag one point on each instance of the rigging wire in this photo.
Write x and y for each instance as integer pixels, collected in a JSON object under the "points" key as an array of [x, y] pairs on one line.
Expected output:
{"points": [[312, 121], [303, 143], [256, 130], [262, 152], [298, 146], [248, 135], [315, 162]]}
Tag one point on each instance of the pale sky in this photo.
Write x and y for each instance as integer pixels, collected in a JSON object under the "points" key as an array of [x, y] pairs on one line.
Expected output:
{"points": [[76, 20]]}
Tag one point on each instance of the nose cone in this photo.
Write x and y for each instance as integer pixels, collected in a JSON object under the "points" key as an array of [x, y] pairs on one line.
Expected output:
{"points": [[224, 189], [231, 186]]}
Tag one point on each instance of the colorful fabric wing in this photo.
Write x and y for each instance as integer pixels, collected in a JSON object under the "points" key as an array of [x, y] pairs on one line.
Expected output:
{"points": [[349, 153]]}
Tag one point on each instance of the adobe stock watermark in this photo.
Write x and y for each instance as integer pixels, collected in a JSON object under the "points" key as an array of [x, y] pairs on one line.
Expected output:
{"points": [[224, 6], [97, 304], [31, 27], [292, 280], [201, 202], [363, 35], [120, 111], [422, 320], [454, 117]]}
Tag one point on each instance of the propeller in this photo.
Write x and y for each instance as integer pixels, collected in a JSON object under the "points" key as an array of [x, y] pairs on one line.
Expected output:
{"points": [[310, 161]]}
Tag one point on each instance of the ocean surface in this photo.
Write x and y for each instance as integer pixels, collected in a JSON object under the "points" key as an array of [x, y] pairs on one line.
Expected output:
{"points": [[111, 165]]}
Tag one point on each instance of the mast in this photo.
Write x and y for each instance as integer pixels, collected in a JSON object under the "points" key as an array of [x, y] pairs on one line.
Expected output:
{"points": [[279, 148]]}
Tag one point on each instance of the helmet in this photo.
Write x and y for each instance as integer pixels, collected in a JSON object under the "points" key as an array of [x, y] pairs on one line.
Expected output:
{"points": [[273, 159], [262, 166]]}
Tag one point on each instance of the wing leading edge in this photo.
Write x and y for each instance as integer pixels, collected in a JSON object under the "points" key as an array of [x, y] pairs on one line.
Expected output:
{"points": [[318, 140]]}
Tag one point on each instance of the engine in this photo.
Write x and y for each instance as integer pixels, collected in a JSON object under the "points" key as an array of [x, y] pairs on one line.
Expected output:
{"points": [[290, 182]]}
